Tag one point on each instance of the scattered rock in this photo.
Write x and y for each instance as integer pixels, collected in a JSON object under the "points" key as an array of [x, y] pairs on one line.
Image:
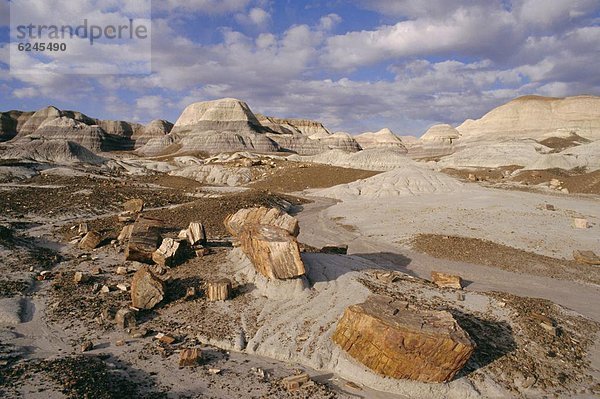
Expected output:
{"points": [[444, 280], [202, 252], [219, 290], [581, 223], [105, 289], [335, 249], [120, 342], [550, 207], [294, 382], [168, 252], [189, 357], [123, 287], [90, 241], [165, 339], [274, 252], [125, 318], [190, 293], [87, 346], [80, 277], [147, 290], [121, 270], [144, 239], [586, 257], [214, 371], [83, 229], [401, 342], [134, 206], [196, 234]]}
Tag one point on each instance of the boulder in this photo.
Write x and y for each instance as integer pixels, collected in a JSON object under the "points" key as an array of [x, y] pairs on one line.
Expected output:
{"points": [[444, 280], [135, 205], [400, 342], [147, 290], [196, 234], [168, 252], [273, 251], [125, 318], [586, 257], [90, 241], [144, 240], [273, 217]]}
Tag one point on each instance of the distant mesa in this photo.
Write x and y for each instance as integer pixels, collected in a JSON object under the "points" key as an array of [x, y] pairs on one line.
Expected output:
{"points": [[229, 125], [384, 138]]}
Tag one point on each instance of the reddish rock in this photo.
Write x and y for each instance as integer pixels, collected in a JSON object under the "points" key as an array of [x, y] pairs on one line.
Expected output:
{"points": [[273, 251], [144, 240], [398, 341], [444, 280]]}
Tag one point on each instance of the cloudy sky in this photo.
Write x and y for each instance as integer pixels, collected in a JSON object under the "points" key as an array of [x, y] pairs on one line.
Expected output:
{"points": [[356, 65]]}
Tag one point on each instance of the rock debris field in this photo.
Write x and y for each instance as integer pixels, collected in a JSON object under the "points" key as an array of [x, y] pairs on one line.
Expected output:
{"points": [[233, 254]]}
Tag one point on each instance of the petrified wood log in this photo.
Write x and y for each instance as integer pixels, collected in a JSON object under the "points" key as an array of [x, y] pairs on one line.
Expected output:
{"points": [[147, 290], [400, 342], [219, 290], [168, 253], [274, 252], [144, 240], [444, 280], [273, 217], [90, 241]]}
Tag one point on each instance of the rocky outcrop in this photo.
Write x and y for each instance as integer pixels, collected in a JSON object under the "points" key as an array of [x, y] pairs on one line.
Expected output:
{"points": [[438, 141], [273, 251], [214, 142], [11, 122], [156, 129], [52, 151], [402, 342], [65, 128], [384, 138], [225, 115], [235, 223], [340, 141], [147, 290], [536, 117], [36, 120], [306, 127]]}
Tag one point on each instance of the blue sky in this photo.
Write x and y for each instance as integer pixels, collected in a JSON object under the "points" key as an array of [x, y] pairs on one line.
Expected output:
{"points": [[355, 65]]}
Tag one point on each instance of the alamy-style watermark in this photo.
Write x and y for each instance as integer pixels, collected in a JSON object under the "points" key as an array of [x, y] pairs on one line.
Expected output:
{"points": [[82, 37]]}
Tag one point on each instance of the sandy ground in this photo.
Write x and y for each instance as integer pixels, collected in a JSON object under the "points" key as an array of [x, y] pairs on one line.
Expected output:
{"points": [[271, 330]]}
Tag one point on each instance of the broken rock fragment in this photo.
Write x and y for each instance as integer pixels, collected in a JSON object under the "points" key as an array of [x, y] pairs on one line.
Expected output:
{"points": [[445, 280], [219, 290], [294, 382], [398, 341], [134, 206], [90, 241], [272, 217], [273, 251], [147, 290], [144, 240], [586, 257], [189, 357], [125, 318], [167, 253], [341, 249], [196, 234]]}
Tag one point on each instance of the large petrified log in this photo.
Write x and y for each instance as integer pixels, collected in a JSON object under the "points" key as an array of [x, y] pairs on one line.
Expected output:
{"points": [[273, 217], [144, 240], [445, 280], [274, 252], [398, 341]]}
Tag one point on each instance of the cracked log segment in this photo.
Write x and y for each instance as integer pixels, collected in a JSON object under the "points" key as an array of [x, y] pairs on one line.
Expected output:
{"points": [[144, 240], [398, 341], [219, 290], [272, 217], [273, 251]]}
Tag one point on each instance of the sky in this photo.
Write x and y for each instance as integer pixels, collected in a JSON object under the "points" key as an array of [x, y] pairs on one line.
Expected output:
{"points": [[355, 65]]}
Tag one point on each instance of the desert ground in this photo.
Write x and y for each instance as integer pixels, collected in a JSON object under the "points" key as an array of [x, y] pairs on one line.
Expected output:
{"points": [[109, 284]]}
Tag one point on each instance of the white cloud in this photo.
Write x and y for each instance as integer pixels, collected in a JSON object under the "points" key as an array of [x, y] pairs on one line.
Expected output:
{"points": [[202, 6], [26, 92], [328, 22]]}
